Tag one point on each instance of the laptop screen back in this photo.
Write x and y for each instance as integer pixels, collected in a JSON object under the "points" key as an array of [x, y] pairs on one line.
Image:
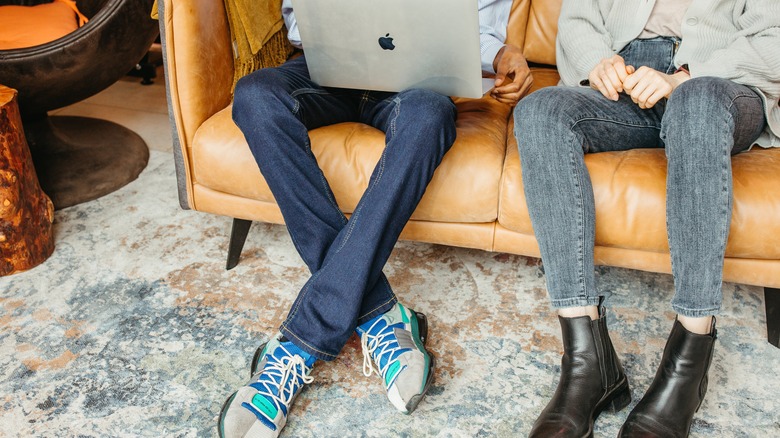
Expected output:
{"points": [[392, 45]]}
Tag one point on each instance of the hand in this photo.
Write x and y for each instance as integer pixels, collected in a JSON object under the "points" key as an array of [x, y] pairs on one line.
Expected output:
{"points": [[513, 77], [647, 86], [608, 76]]}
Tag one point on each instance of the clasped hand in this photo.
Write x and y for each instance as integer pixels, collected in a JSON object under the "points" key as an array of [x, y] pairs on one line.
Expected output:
{"points": [[513, 77], [644, 85]]}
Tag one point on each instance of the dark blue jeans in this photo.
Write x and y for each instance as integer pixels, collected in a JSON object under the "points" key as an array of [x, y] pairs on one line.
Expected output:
{"points": [[704, 121], [275, 108]]}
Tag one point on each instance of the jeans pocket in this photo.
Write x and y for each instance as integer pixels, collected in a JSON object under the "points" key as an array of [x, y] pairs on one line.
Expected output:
{"points": [[656, 53]]}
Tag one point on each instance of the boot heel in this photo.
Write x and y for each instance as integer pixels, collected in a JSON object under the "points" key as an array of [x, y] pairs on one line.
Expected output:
{"points": [[621, 400]]}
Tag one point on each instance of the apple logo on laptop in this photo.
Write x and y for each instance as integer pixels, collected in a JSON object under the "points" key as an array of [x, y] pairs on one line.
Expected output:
{"points": [[386, 42]]}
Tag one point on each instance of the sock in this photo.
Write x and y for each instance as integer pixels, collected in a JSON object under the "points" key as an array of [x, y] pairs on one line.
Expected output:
{"points": [[362, 328]]}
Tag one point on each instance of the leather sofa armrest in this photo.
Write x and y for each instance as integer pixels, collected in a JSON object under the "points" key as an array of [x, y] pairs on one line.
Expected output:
{"points": [[198, 71]]}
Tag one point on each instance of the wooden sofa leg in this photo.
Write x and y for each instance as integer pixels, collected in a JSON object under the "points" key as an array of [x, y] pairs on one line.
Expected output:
{"points": [[237, 238], [772, 300]]}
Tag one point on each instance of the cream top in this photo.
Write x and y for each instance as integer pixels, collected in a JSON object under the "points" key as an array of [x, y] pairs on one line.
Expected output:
{"points": [[666, 19]]}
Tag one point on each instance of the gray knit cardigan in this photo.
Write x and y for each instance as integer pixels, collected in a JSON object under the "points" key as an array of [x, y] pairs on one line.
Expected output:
{"points": [[737, 40]]}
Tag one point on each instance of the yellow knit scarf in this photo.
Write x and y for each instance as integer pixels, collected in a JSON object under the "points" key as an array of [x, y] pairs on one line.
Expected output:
{"points": [[257, 32]]}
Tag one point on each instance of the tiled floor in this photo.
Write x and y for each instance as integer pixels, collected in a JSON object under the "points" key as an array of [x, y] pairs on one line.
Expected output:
{"points": [[141, 108]]}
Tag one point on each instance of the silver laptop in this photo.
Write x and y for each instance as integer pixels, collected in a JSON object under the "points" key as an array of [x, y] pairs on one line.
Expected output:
{"points": [[392, 45]]}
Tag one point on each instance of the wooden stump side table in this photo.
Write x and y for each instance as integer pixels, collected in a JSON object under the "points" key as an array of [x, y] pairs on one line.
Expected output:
{"points": [[26, 213]]}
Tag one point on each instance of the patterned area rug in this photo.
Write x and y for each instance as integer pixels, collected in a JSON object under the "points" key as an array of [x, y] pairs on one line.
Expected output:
{"points": [[134, 328]]}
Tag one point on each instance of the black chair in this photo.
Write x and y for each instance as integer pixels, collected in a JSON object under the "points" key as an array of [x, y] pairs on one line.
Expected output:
{"points": [[77, 158]]}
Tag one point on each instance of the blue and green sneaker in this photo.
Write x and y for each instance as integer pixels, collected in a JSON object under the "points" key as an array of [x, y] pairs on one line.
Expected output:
{"points": [[259, 409], [394, 342]]}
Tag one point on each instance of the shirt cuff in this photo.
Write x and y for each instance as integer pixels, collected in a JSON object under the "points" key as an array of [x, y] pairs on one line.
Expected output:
{"points": [[489, 48]]}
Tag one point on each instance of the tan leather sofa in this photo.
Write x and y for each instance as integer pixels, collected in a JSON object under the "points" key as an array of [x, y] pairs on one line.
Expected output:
{"points": [[476, 197]]}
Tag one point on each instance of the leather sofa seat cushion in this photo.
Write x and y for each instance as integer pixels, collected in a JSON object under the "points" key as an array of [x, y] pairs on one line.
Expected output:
{"points": [[630, 193], [27, 26], [543, 77], [464, 188]]}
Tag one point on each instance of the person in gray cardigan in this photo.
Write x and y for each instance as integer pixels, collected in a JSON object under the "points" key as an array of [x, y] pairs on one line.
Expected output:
{"points": [[700, 78]]}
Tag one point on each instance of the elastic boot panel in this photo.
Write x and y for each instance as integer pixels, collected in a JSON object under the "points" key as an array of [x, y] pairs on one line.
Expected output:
{"points": [[619, 398]]}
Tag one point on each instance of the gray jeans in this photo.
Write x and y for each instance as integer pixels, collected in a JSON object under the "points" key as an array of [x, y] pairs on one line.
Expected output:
{"points": [[701, 125]]}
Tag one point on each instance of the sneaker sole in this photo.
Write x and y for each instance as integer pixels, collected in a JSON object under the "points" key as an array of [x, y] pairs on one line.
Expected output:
{"points": [[414, 401], [422, 328], [222, 412], [256, 359]]}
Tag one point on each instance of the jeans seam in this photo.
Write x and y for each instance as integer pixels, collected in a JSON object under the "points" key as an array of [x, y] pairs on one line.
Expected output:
{"points": [[396, 113], [743, 95], [301, 296], [389, 300], [581, 210], [617, 122], [574, 302], [725, 207], [726, 203], [730, 111], [694, 313], [387, 283], [301, 91], [383, 278]]}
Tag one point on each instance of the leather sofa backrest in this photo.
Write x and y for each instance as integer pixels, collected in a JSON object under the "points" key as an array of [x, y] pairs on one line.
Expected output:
{"points": [[533, 25], [518, 22], [203, 64]]}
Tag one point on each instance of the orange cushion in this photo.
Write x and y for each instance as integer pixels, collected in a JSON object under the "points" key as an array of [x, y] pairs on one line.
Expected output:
{"points": [[26, 26]]}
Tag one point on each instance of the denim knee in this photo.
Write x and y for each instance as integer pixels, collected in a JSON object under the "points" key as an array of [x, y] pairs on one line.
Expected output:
{"points": [[439, 110], [542, 118], [697, 104], [704, 111], [255, 93], [698, 119], [428, 113], [706, 93]]}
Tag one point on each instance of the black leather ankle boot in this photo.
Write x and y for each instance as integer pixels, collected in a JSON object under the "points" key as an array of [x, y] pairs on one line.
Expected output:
{"points": [[678, 389], [591, 380]]}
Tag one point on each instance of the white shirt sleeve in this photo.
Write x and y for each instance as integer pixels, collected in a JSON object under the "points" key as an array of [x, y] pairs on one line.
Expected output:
{"points": [[493, 20], [292, 26]]}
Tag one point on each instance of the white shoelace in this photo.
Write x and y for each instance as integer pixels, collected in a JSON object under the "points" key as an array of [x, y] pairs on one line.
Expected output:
{"points": [[370, 344], [284, 368]]}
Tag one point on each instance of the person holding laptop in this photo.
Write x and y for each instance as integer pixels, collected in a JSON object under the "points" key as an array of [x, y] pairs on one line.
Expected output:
{"points": [[347, 291], [700, 79]]}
